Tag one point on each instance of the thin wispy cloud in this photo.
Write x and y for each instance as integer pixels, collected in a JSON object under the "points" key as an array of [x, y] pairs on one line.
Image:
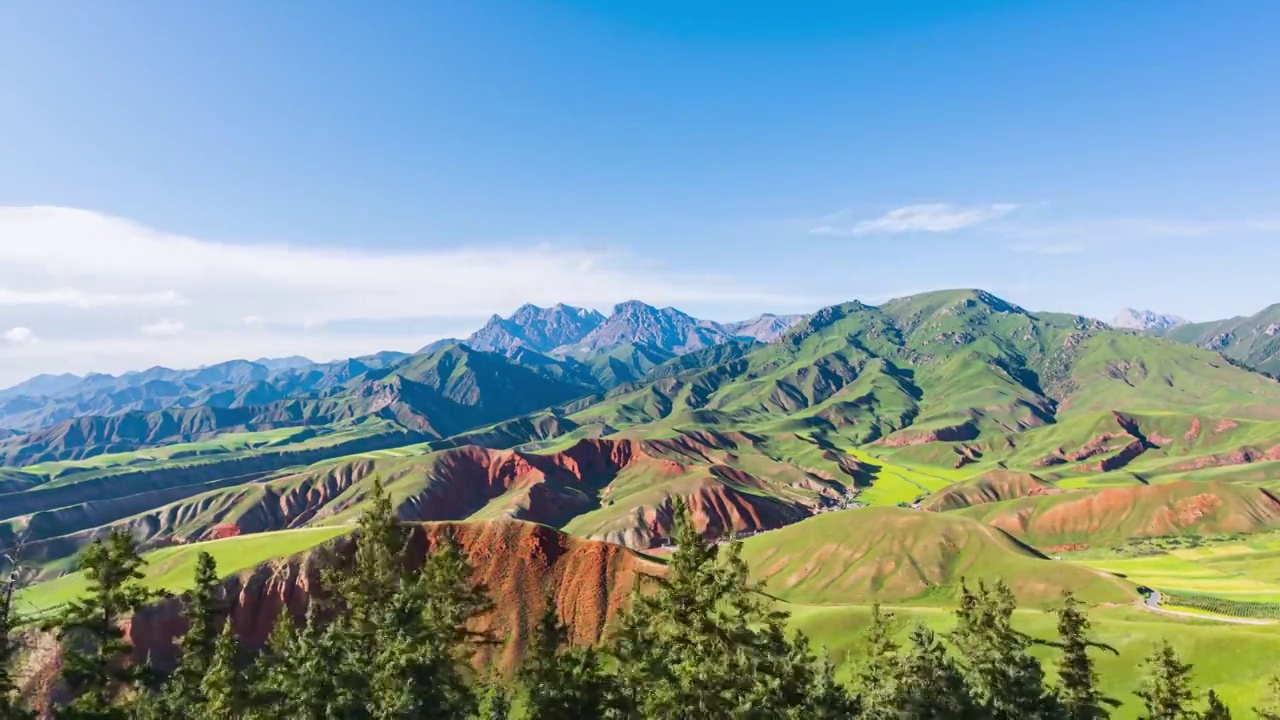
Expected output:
{"points": [[73, 298], [164, 328], [925, 218]]}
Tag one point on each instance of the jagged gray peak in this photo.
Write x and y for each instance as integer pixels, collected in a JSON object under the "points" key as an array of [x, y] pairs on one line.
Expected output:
{"points": [[535, 328], [764, 328], [1131, 319], [638, 323]]}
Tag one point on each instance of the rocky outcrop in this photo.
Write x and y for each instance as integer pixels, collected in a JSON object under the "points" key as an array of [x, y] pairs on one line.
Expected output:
{"points": [[1239, 456], [1131, 319]]}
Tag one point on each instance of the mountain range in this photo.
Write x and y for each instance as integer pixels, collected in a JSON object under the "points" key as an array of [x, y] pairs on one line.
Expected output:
{"points": [[755, 434], [869, 453], [563, 330], [604, 352]]}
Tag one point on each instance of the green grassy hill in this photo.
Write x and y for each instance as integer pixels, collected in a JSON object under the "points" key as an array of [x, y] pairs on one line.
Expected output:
{"points": [[878, 405], [172, 569], [1253, 341], [897, 555]]}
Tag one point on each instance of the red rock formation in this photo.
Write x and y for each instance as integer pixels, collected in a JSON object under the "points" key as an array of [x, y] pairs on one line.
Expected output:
{"points": [[1139, 511], [1239, 456], [1194, 431], [519, 564], [224, 530]]}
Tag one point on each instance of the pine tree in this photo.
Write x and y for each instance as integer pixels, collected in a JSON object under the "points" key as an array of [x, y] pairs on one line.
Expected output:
{"points": [[1077, 681], [495, 701], [1166, 691], [826, 698], [1215, 709], [1271, 710], [10, 703], [204, 606], [271, 674], [366, 588], [705, 643], [95, 653], [224, 689], [562, 682], [1005, 680], [422, 642], [927, 684], [873, 680], [302, 674]]}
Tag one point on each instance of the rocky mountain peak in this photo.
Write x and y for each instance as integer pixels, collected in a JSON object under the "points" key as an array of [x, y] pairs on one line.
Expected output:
{"points": [[535, 328], [1131, 319]]}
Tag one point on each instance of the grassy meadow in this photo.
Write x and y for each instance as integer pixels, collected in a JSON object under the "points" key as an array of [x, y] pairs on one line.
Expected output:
{"points": [[172, 569]]}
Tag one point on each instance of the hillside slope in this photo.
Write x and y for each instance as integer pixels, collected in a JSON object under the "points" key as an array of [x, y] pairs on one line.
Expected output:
{"points": [[434, 395], [1253, 341], [948, 367], [897, 555]]}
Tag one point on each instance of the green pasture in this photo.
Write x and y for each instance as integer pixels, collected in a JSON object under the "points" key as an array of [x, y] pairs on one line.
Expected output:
{"points": [[173, 568], [895, 483], [1244, 571], [1234, 660]]}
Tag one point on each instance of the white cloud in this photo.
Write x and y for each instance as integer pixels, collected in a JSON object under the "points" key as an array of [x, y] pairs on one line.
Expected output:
{"points": [[930, 218], [106, 257], [95, 280], [163, 328], [71, 297], [21, 336]]}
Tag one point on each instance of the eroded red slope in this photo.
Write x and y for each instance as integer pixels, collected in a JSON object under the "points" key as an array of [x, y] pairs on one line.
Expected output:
{"points": [[520, 564]]}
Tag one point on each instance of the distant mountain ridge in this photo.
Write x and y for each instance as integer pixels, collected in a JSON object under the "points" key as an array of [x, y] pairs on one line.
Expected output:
{"points": [[763, 328], [1130, 319], [563, 330], [637, 323], [432, 395], [1253, 341], [589, 348], [231, 384]]}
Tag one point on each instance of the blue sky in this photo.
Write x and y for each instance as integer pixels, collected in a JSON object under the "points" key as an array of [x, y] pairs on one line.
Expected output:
{"points": [[188, 182]]}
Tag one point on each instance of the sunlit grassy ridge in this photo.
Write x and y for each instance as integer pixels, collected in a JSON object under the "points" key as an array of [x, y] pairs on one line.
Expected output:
{"points": [[172, 569], [896, 555]]}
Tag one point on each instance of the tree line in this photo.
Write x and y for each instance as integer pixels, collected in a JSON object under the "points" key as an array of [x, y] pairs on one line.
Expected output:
{"points": [[389, 641]]}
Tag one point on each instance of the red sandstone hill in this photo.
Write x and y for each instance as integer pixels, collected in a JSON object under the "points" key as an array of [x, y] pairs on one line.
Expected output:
{"points": [[592, 485], [1110, 515], [520, 564], [989, 487]]}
